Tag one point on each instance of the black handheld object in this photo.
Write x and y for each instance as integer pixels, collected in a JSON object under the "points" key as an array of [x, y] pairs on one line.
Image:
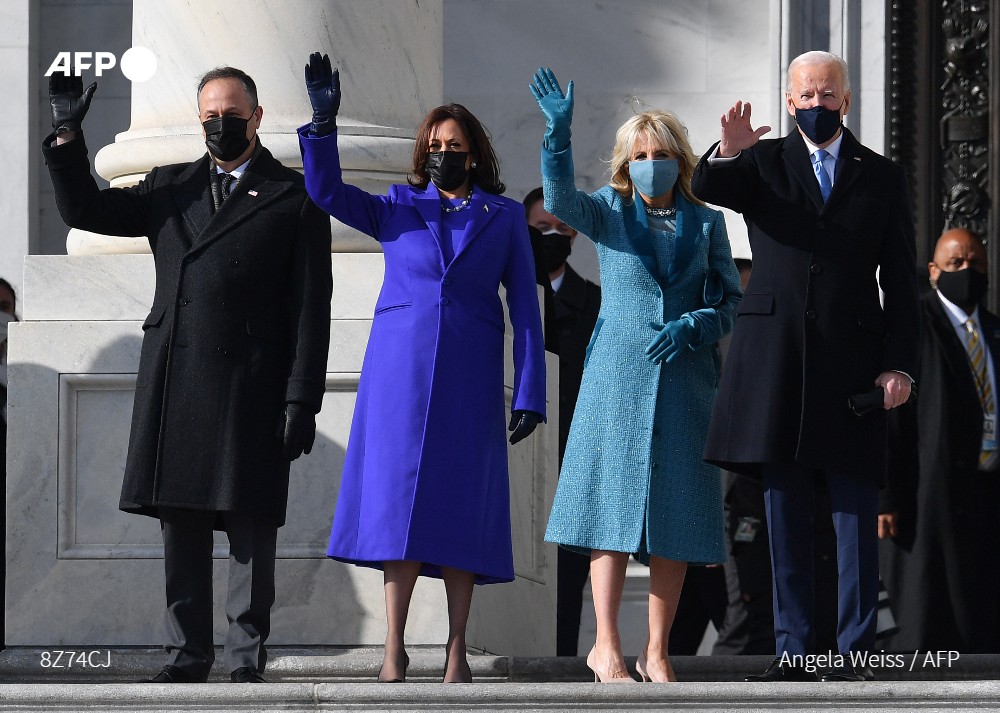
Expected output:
{"points": [[863, 404]]}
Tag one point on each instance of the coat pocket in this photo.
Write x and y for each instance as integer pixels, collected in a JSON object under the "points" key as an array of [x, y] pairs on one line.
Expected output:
{"points": [[391, 308], [760, 303], [872, 321], [593, 341], [266, 330], [155, 317], [714, 290]]}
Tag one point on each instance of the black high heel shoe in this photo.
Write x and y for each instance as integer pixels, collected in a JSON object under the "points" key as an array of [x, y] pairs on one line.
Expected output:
{"points": [[444, 679], [406, 664]]}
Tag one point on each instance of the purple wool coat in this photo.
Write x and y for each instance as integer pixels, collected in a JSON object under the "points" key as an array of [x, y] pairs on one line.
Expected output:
{"points": [[425, 475]]}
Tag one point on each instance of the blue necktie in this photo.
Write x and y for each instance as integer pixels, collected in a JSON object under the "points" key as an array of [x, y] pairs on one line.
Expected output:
{"points": [[825, 184]]}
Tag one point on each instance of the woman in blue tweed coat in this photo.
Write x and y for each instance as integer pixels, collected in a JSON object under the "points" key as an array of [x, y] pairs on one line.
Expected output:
{"points": [[633, 479]]}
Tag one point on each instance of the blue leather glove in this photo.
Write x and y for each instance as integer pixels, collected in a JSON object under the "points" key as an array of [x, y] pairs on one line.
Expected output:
{"points": [[522, 423], [298, 432], [674, 337], [323, 86], [557, 108]]}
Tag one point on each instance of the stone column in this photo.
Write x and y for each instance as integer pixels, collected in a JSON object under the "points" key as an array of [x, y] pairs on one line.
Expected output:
{"points": [[18, 165], [389, 53]]}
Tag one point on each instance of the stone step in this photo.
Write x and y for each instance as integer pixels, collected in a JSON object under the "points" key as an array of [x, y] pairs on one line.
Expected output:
{"points": [[334, 679], [884, 697], [322, 664]]}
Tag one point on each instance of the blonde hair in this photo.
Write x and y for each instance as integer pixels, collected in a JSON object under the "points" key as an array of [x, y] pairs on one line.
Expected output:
{"points": [[663, 129]]}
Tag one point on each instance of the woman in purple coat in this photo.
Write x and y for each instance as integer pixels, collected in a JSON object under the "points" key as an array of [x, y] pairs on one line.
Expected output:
{"points": [[424, 488]]}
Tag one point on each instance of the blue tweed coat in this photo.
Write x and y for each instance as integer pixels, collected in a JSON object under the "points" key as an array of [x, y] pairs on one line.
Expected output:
{"points": [[633, 479]]}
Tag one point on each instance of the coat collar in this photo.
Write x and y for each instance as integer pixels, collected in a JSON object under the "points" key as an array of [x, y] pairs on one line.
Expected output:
{"points": [[991, 328], [940, 329], [688, 230], [849, 167], [572, 294], [260, 184], [193, 196], [796, 156], [483, 207]]}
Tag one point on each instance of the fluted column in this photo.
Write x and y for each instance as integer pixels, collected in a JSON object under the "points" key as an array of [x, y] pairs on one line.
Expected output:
{"points": [[389, 53]]}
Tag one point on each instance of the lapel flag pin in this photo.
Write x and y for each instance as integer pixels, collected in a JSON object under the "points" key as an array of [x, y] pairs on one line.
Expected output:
{"points": [[857, 158], [252, 193]]}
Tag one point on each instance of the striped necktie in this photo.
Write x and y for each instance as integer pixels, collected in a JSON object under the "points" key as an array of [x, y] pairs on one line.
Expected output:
{"points": [[977, 358], [825, 184]]}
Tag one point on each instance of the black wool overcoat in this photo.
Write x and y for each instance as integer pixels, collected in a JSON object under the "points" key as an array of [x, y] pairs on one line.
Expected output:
{"points": [[239, 325], [942, 569], [575, 308], [810, 330]]}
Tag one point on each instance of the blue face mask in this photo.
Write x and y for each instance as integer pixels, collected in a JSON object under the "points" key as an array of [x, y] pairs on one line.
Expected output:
{"points": [[819, 124], [655, 177]]}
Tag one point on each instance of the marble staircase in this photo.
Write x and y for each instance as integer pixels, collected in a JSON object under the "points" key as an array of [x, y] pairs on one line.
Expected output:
{"points": [[326, 679]]}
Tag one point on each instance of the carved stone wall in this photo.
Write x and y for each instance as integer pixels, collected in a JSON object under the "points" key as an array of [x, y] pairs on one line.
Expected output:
{"points": [[964, 124], [943, 79]]}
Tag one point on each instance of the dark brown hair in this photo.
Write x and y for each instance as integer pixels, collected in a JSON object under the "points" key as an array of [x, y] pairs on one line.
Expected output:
{"points": [[230, 73], [4, 283], [534, 195], [486, 173]]}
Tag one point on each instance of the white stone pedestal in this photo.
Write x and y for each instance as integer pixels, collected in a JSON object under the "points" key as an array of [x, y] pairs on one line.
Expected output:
{"points": [[81, 573]]}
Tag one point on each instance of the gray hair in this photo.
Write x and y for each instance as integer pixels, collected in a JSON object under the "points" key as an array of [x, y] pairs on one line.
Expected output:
{"points": [[819, 57]]}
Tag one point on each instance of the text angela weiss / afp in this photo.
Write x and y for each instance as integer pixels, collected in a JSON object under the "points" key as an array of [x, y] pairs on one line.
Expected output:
{"points": [[859, 659]]}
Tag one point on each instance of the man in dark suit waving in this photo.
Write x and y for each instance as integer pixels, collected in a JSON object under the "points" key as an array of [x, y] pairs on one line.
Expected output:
{"points": [[228, 383], [824, 213]]}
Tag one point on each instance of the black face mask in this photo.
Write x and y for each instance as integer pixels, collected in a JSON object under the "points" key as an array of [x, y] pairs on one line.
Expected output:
{"points": [[226, 137], [964, 288], [819, 124], [447, 169], [556, 248]]}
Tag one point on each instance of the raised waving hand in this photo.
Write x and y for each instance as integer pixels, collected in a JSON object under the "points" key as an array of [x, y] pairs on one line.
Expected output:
{"points": [[556, 106], [737, 133]]}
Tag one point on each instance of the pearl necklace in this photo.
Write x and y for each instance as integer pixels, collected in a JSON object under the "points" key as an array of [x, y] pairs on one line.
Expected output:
{"points": [[454, 209], [661, 212]]}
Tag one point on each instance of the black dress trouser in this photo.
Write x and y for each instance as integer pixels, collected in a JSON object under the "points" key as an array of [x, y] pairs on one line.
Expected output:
{"points": [[187, 543]]}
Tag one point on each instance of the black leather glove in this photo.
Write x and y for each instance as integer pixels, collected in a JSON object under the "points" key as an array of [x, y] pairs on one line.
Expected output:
{"points": [[323, 86], [69, 102], [522, 423], [299, 431]]}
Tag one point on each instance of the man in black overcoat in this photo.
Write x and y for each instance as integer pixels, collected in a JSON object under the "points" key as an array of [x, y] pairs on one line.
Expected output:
{"points": [[570, 315], [823, 213], [233, 363], [942, 563]]}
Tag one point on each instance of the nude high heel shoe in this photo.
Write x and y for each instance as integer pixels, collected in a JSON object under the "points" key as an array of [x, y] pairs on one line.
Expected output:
{"points": [[604, 676], [643, 671], [640, 667]]}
